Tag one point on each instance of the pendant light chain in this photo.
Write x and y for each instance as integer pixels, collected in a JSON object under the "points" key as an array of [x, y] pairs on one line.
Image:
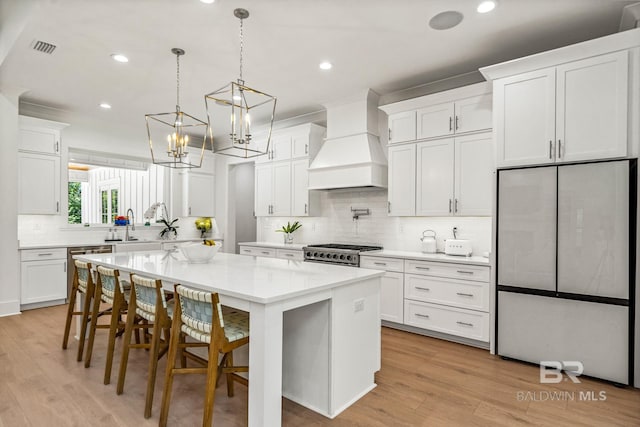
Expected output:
{"points": [[241, 47], [177, 82]]}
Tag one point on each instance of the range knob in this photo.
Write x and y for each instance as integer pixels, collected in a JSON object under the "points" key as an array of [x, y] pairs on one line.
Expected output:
{"points": [[321, 255], [348, 257], [315, 254], [342, 256]]}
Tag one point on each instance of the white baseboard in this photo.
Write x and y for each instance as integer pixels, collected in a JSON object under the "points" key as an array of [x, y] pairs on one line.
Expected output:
{"points": [[9, 308]]}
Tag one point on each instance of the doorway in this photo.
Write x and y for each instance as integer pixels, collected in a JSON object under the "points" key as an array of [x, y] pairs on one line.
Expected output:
{"points": [[242, 221]]}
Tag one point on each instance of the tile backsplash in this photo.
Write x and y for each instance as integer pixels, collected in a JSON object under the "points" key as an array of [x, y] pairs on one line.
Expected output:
{"points": [[336, 224]]}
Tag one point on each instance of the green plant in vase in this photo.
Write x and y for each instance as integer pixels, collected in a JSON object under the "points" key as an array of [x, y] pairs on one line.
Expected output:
{"points": [[169, 230], [288, 231]]}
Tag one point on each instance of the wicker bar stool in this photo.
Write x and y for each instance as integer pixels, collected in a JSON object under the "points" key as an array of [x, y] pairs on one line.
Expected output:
{"points": [[148, 302], [82, 283], [110, 290], [200, 316]]}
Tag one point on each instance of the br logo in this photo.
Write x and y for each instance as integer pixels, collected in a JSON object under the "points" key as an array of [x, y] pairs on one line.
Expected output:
{"points": [[551, 371]]}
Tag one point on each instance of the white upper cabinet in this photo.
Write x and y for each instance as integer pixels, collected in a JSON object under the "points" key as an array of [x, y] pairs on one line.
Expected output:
{"points": [[570, 104], [38, 184], [200, 195], [402, 180], [434, 193], [455, 176], [39, 179], [282, 177], [281, 192], [300, 145], [474, 169], [591, 108], [525, 118], [436, 120], [466, 115], [461, 110], [473, 114], [40, 136], [402, 127]]}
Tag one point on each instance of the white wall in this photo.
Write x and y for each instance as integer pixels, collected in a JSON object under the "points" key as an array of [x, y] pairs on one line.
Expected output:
{"points": [[335, 224], [9, 261]]}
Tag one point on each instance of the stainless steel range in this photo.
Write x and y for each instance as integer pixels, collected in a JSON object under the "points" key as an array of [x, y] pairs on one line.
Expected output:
{"points": [[337, 253]]}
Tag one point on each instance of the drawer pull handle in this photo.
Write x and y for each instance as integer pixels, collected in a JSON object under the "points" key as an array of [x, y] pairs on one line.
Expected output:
{"points": [[465, 323], [464, 272], [287, 254], [426, 316], [463, 294], [47, 254], [265, 253], [423, 268], [422, 289], [380, 263]]}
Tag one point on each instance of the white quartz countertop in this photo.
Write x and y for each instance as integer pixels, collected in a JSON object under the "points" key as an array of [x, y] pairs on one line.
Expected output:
{"points": [[257, 279], [52, 245], [295, 246], [439, 257]]}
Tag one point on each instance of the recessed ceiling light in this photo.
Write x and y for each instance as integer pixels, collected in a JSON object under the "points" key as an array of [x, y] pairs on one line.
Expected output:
{"points": [[326, 65], [486, 6], [119, 57], [446, 20], [207, 1], [105, 106]]}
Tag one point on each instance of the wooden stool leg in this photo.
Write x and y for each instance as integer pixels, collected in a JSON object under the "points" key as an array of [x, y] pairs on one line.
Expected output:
{"points": [[127, 342], [181, 355], [210, 392], [97, 299], [229, 363], [67, 326], [88, 297], [153, 366], [175, 340], [113, 329]]}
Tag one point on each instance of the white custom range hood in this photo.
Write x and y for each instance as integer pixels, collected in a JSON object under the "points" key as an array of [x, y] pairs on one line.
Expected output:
{"points": [[351, 155]]}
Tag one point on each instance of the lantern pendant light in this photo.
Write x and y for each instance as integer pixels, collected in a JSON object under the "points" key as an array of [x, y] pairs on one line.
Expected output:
{"points": [[241, 104], [172, 132]]}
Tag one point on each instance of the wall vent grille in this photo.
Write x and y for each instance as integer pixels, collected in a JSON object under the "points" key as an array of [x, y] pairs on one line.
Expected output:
{"points": [[44, 47]]}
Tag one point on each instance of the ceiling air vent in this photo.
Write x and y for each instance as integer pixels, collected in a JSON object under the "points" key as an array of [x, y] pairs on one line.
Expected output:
{"points": [[44, 47]]}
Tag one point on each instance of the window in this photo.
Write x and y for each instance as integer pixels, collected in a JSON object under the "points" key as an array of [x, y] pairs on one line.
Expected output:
{"points": [[99, 190], [109, 191]]}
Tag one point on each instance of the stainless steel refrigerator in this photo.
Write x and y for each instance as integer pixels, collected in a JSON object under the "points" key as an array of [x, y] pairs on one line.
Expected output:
{"points": [[566, 265]]}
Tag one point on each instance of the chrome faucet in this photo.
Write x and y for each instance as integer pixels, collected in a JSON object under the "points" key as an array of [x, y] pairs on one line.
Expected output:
{"points": [[133, 226]]}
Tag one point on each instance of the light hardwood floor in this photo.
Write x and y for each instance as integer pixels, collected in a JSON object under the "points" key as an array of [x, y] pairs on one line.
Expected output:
{"points": [[423, 382]]}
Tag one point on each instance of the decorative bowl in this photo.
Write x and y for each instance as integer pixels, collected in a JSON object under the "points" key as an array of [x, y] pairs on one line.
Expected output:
{"points": [[199, 253]]}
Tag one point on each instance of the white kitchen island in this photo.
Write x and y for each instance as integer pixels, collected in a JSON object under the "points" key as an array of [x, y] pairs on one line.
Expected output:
{"points": [[315, 328]]}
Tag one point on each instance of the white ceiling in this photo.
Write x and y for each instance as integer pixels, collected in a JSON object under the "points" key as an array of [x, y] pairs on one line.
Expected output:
{"points": [[385, 45]]}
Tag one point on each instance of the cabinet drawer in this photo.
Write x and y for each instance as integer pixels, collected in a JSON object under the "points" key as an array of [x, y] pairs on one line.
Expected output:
{"points": [[255, 251], [448, 320], [443, 269], [454, 292], [291, 254], [379, 263], [43, 254]]}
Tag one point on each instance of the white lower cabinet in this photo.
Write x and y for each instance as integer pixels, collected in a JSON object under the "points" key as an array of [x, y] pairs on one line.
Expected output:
{"points": [[43, 276], [290, 254], [443, 297], [448, 320], [258, 251], [392, 286]]}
